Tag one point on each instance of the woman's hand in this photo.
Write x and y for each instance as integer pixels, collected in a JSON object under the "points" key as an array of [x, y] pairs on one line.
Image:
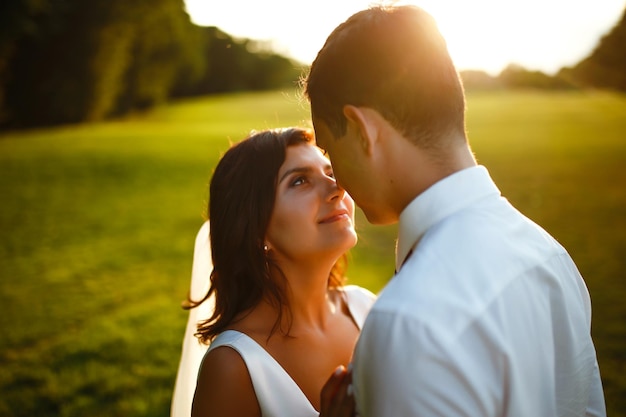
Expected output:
{"points": [[336, 398]]}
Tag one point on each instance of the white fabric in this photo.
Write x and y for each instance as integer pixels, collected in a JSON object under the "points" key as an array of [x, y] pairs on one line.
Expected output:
{"points": [[192, 350], [488, 316], [277, 393]]}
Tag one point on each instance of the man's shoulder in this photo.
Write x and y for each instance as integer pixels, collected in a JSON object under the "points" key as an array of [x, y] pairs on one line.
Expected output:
{"points": [[405, 295]]}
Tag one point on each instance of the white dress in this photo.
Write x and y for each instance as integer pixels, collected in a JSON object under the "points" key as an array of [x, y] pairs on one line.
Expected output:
{"points": [[277, 393]]}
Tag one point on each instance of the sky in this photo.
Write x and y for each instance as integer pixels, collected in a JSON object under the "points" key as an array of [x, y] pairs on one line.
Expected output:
{"points": [[487, 35]]}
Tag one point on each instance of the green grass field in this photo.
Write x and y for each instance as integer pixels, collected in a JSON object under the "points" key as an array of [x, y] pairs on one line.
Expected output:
{"points": [[97, 225]]}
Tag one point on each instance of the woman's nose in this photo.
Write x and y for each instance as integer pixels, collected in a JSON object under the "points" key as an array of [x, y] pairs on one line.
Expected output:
{"points": [[335, 191]]}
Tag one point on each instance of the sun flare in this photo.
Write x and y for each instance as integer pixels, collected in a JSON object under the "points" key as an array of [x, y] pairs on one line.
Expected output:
{"points": [[481, 34]]}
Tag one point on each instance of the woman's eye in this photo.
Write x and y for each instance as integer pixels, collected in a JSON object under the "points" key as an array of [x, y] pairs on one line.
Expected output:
{"points": [[298, 181], [331, 174]]}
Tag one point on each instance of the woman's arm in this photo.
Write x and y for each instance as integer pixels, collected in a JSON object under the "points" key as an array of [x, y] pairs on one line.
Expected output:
{"points": [[224, 387]]}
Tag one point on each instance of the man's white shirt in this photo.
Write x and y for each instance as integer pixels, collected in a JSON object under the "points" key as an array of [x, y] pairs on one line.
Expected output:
{"points": [[488, 316]]}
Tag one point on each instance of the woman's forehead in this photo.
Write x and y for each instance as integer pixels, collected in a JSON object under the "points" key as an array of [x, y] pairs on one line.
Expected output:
{"points": [[304, 154]]}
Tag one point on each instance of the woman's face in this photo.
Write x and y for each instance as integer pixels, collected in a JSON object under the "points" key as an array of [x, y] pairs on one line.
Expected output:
{"points": [[312, 216]]}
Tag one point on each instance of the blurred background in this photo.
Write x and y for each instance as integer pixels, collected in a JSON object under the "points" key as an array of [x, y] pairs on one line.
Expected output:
{"points": [[68, 61], [113, 114]]}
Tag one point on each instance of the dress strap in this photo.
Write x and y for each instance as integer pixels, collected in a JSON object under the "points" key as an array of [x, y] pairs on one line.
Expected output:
{"points": [[276, 391]]}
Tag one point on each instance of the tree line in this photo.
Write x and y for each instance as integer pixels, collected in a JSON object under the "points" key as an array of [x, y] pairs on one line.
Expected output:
{"points": [[604, 68], [69, 61]]}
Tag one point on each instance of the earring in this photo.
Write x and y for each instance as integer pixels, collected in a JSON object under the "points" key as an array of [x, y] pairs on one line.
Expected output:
{"points": [[265, 248]]}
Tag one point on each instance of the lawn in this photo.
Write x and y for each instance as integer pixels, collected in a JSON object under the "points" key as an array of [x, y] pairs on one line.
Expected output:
{"points": [[97, 224]]}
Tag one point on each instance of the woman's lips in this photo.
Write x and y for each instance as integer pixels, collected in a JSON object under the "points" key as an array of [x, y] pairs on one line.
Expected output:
{"points": [[335, 216]]}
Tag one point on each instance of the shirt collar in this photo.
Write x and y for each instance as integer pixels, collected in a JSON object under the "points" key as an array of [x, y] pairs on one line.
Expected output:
{"points": [[440, 200]]}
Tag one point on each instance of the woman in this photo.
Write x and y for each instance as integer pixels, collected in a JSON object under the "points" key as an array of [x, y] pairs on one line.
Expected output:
{"points": [[283, 322]]}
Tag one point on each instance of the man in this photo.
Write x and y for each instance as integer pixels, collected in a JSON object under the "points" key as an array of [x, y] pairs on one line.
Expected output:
{"points": [[487, 314]]}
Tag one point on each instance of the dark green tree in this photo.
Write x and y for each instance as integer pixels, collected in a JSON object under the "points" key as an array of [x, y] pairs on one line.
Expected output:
{"points": [[515, 76], [240, 64], [605, 68], [20, 19], [83, 61], [69, 61], [166, 52]]}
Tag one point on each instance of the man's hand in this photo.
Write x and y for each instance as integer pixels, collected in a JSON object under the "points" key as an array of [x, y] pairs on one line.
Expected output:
{"points": [[336, 398]]}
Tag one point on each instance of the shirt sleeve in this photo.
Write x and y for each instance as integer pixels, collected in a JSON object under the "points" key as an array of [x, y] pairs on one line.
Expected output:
{"points": [[596, 406]]}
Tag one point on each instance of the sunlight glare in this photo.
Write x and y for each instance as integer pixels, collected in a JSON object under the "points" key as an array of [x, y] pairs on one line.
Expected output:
{"points": [[538, 34], [481, 34]]}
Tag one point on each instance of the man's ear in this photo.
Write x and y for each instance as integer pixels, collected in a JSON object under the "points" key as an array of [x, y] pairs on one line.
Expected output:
{"points": [[361, 122]]}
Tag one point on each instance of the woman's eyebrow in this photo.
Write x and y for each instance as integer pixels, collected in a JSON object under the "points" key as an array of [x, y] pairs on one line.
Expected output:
{"points": [[299, 170]]}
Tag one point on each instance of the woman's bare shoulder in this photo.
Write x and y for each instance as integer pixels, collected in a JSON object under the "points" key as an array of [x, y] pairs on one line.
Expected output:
{"points": [[224, 387]]}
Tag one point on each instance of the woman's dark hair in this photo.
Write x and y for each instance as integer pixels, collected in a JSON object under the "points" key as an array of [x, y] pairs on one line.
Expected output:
{"points": [[241, 201]]}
